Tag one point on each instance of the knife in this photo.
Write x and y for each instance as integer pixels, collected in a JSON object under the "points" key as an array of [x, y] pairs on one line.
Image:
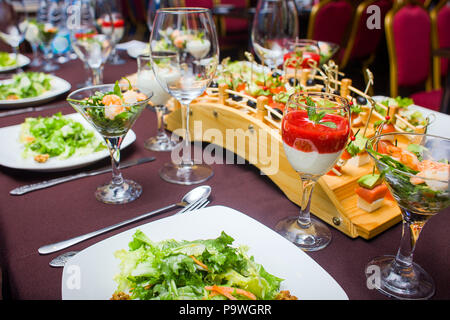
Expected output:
{"points": [[44, 184], [24, 110]]}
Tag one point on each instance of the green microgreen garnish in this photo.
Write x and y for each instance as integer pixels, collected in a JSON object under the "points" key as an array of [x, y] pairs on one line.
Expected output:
{"points": [[315, 116]]}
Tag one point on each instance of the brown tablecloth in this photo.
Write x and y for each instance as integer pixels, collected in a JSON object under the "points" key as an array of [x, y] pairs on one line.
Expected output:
{"points": [[60, 212]]}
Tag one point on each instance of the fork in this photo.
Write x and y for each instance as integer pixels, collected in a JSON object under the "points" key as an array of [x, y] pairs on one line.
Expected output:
{"points": [[61, 260]]}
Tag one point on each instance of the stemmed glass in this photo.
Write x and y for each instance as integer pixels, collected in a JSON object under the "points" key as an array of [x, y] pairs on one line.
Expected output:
{"points": [[91, 45], [417, 173], [303, 54], [33, 36], [13, 25], [114, 28], [48, 31], [112, 120], [191, 34], [146, 82], [274, 25], [315, 129]]}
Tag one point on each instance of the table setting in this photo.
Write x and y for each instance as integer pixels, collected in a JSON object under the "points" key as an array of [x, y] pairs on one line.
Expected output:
{"points": [[108, 193]]}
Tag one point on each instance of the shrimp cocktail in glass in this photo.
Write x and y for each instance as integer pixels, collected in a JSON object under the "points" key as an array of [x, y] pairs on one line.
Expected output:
{"points": [[112, 110]]}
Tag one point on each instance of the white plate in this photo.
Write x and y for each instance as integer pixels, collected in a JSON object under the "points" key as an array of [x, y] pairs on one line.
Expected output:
{"points": [[22, 61], [440, 126], [9, 141], [89, 274], [59, 86]]}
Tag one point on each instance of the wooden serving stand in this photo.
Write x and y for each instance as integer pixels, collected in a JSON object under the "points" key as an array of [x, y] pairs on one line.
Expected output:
{"points": [[333, 200]]}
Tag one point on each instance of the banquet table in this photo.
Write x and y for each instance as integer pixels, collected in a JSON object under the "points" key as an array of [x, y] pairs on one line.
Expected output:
{"points": [[70, 209]]}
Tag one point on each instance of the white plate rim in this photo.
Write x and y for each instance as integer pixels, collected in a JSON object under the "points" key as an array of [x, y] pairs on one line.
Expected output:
{"points": [[67, 164], [202, 215]]}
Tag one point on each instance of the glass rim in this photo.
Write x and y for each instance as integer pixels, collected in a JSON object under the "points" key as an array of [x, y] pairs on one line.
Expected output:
{"points": [[370, 141], [183, 10], [342, 102], [100, 86]]}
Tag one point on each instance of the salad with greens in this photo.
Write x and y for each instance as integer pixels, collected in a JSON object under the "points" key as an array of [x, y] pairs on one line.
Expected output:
{"points": [[419, 184], [7, 60], [26, 85], [57, 136], [111, 112], [209, 269]]}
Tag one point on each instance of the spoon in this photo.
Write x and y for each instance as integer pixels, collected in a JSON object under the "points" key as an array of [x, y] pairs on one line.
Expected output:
{"points": [[201, 192]]}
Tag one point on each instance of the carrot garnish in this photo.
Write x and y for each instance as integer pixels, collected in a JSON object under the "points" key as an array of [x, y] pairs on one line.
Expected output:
{"points": [[227, 292], [201, 264]]}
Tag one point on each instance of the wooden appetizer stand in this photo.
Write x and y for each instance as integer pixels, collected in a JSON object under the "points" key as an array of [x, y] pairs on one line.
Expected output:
{"points": [[333, 199]]}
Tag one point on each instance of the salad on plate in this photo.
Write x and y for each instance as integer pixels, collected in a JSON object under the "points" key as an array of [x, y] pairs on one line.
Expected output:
{"points": [[210, 269], [25, 85], [57, 136]]}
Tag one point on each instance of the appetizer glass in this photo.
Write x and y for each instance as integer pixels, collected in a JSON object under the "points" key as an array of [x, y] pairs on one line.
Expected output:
{"points": [[113, 123], [303, 54], [274, 25], [420, 194], [190, 33], [146, 82], [315, 129]]}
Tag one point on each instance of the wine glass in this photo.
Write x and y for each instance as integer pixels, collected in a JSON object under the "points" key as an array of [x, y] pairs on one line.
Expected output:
{"points": [[89, 43], [274, 25], [146, 82], [191, 34], [48, 32], [315, 129], [13, 25], [33, 36], [417, 173], [112, 117], [114, 28]]}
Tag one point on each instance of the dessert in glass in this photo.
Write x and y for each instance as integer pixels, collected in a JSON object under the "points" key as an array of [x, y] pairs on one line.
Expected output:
{"points": [[315, 129], [146, 82], [416, 169], [112, 110]]}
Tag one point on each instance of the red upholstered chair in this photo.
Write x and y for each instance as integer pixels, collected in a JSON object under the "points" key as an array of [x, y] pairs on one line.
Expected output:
{"points": [[363, 42], [440, 38], [408, 35], [330, 21]]}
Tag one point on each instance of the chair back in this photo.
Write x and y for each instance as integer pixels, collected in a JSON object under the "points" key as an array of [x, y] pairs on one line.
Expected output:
{"points": [[440, 38], [364, 39], [330, 20], [408, 29]]}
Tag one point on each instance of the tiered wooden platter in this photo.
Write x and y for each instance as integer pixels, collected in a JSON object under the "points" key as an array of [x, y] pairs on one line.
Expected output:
{"points": [[258, 134]]}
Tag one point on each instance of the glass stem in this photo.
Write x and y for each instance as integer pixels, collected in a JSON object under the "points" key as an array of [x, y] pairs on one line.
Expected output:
{"points": [[160, 117], [113, 144], [411, 229], [97, 76], [186, 159], [304, 219]]}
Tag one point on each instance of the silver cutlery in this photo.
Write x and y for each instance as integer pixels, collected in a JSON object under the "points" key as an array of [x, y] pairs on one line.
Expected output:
{"points": [[25, 110], [45, 184], [61, 260], [192, 196]]}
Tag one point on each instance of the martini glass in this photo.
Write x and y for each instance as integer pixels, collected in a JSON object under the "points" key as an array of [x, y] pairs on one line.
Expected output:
{"points": [[421, 191], [113, 123], [315, 129]]}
